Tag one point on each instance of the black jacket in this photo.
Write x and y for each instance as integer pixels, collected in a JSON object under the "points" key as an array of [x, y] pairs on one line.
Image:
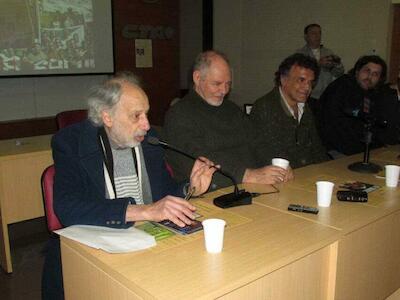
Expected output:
{"points": [[341, 118]]}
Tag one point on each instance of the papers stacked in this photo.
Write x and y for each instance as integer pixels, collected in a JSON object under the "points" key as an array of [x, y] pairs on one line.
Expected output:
{"points": [[109, 239]]}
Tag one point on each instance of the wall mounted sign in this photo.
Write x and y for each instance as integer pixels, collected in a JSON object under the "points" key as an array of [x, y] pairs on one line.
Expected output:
{"points": [[143, 53], [136, 31]]}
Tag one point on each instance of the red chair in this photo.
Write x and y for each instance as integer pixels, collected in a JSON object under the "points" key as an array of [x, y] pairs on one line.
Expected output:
{"points": [[169, 169], [53, 223], [70, 117]]}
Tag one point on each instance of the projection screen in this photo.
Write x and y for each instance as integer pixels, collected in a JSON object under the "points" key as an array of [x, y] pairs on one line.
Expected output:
{"points": [[51, 37]]}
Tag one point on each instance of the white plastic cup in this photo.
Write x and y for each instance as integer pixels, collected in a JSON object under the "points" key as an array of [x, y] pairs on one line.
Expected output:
{"points": [[214, 234], [324, 193], [280, 162], [392, 175]]}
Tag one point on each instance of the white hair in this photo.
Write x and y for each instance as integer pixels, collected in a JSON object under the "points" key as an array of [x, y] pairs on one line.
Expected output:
{"points": [[106, 95]]}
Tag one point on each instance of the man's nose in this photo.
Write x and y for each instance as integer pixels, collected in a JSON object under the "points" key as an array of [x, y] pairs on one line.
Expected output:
{"points": [[224, 89], [308, 86], [144, 123]]}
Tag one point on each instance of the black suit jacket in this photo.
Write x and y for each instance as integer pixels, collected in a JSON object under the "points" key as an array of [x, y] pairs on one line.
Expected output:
{"points": [[79, 185]]}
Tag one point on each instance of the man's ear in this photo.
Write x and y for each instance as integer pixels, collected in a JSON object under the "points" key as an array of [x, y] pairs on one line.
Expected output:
{"points": [[283, 80], [106, 117], [356, 74], [196, 77]]}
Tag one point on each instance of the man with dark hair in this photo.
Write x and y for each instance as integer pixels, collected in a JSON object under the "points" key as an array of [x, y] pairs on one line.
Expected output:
{"points": [[284, 121], [205, 123], [349, 103], [330, 64]]}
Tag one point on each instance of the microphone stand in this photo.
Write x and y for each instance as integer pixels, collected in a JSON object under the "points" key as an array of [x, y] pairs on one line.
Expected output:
{"points": [[365, 166], [238, 197]]}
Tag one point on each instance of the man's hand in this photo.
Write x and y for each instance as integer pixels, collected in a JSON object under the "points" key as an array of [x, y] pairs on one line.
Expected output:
{"points": [[170, 208], [267, 175], [289, 174], [173, 208], [201, 175], [326, 61]]}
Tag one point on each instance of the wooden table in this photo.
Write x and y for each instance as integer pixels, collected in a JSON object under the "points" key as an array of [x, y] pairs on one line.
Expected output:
{"points": [[347, 251], [369, 250], [22, 162], [273, 252]]}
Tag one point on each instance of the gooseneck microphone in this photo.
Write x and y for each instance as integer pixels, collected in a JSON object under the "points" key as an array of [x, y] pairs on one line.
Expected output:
{"points": [[369, 121], [367, 118], [238, 197], [155, 141]]}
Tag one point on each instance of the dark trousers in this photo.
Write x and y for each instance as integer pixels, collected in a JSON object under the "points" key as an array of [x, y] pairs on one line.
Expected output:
{"points": [[52, 280]]}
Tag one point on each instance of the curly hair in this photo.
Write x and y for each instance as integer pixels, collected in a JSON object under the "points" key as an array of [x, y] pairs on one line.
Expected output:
{"points": [[296, 59], [366, 59]]}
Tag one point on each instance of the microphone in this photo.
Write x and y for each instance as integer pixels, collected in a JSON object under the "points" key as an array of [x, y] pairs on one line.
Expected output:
{"points": [[355, 113], [238, 197], [365, 117], [370, 122]]}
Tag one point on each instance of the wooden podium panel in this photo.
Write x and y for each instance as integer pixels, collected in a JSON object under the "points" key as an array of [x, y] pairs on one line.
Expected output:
{"points": [[262, 257], [22, 162], [369, 260]]}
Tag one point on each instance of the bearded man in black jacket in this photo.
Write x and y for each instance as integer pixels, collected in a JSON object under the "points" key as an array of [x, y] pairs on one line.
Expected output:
{"points": [[349, 104]]}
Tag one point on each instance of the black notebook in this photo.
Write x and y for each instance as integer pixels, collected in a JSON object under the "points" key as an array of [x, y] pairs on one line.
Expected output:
{"points": [[195, 226]]}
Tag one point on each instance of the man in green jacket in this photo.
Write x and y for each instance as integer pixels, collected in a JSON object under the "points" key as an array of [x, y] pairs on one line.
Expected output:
{"points": [[284, 122]]}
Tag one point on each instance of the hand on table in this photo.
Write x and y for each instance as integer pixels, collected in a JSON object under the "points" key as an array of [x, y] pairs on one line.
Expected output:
{"points": [[170, 208], [267, 175]]}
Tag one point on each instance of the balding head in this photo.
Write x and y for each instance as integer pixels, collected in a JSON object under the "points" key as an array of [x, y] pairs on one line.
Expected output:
{"points": [[212, 77]]}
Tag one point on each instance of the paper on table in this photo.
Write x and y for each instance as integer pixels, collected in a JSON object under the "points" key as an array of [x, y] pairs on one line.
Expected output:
{"points": [[109, 239]]}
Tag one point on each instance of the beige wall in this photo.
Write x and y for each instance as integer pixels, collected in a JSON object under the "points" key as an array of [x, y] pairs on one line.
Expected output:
{"points": [[35, 97], [257, 35]]}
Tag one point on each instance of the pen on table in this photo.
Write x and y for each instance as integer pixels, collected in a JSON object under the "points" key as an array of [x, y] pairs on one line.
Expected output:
{"points": [[190, 193], [188, 196]]}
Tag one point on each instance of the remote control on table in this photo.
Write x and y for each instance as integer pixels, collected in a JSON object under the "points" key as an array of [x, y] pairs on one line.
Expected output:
{"points": [[352, 196], [303, 208]]}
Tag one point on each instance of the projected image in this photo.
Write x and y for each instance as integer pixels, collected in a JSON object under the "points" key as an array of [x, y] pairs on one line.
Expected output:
{"points": [[40, 35]]}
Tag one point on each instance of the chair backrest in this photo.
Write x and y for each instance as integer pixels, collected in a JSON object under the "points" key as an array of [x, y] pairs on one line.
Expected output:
{"points": [[53, 223], [169, 169], [69, 117]]}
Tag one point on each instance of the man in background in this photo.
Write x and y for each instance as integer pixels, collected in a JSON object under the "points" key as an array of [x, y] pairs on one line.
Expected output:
{"points": [[391, 112], [354, 101], [283, 119], [205, 123], [330, 64]]}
